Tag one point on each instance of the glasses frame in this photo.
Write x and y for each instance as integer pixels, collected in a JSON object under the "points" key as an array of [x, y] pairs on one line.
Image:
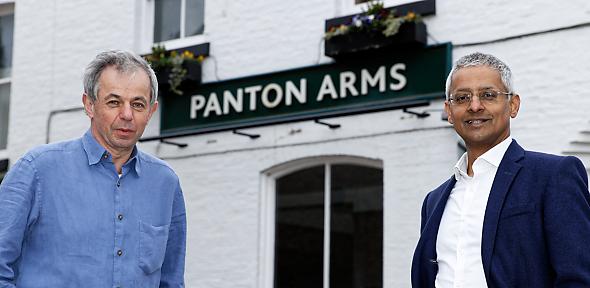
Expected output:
{"points": [[471, 95]]}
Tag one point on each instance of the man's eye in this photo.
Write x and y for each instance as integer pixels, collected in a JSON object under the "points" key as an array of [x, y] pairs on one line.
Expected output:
{"points": [[488, 95], [138, 105], [462, 98], [113, 103]]}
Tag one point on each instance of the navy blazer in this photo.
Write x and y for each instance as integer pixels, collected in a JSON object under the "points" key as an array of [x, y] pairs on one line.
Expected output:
{"points": [[536, 228]]}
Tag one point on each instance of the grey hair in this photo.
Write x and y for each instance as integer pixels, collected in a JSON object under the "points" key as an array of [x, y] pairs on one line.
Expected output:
{"points": [[123, 61], [481, 59]]}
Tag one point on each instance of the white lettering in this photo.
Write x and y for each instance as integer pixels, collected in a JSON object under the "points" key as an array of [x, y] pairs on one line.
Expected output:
{"points": [[212, 105], [327, 87], [347, 80], [197, 103], [252, 95], [299, 94], [237, 102], [278, 95], [401, 79], [367, 80]]}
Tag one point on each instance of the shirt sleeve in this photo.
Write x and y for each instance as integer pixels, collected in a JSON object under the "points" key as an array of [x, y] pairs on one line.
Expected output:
{"points": [[567, 224], [19, 209], [173, 266]]}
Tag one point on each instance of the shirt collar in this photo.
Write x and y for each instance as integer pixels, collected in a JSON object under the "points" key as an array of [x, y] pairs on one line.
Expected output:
{"points": [[95, 152], [493, 156]]}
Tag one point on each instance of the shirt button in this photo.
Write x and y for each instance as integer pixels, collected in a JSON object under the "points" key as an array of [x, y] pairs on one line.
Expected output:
{"points": [[119, 252], [120, 217]]}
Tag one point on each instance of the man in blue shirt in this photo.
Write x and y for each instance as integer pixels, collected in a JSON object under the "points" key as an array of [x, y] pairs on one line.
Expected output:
{"points": [[96, 211]]}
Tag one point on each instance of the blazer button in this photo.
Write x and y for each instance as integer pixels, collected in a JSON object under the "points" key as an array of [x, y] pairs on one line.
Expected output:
{"points": [[119, 252]]}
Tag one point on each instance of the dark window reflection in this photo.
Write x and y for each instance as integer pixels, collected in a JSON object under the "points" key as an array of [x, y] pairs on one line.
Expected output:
{"points": [[356, 241], [6, 31], [300, 229], [166, 20], [4, 105], [195, 13]]}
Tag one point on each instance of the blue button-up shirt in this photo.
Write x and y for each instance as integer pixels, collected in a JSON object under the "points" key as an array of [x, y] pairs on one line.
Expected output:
{"points": [[67, 219]]}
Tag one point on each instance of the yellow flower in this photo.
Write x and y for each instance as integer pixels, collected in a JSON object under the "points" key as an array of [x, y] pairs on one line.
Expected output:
{"points": [[411, 16], [173, 53], [188, 54], [200, 58]]}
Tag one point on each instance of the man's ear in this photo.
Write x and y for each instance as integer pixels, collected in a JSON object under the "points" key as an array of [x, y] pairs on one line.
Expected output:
{"points": [[448, 111], [514, 105], [88, 105], [153, 109]]}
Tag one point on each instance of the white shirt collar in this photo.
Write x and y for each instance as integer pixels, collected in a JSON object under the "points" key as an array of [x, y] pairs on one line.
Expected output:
{"points": [[493, 156]]}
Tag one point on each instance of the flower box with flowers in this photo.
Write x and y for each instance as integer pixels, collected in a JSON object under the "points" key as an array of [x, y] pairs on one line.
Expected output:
{"points": [[174, 70], [377, 29]]}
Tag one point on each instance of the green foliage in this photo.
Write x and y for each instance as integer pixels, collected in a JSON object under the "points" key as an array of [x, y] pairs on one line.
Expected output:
{"points": [[162, 60], [375, 18]]}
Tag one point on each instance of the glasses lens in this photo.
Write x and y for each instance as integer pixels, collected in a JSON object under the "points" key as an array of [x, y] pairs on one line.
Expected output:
{"points": [[489, 96], [460, 98]]}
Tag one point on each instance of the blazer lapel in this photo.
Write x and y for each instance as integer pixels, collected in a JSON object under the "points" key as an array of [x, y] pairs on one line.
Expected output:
{"points": [[506, 173], [430, 232], [433, 221], [424, 266]]}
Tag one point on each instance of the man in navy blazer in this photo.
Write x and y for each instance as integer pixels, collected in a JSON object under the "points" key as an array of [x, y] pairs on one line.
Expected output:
{"points": [[508, 217]]}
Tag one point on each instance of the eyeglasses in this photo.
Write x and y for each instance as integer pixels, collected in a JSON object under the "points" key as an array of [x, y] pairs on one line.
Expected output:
{"points": [[485, 96]]}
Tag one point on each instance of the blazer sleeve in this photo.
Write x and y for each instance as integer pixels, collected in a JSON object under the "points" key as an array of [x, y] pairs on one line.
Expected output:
{"points": [[567, 223]]}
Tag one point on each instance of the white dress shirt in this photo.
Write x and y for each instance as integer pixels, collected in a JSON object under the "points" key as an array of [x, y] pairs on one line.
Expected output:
{"points": [[458, 244]]}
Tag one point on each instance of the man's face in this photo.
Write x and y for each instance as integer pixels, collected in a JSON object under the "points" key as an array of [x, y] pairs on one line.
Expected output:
{"points": [[122, 109], [482, 125]]}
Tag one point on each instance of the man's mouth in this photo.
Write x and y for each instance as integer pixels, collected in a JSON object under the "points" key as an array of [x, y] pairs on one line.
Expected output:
{"points": [[125, 130], [476, 121]]}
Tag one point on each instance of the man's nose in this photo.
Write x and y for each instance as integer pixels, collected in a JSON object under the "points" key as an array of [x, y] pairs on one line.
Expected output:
{"points": [[126, 112], [475, 104]]}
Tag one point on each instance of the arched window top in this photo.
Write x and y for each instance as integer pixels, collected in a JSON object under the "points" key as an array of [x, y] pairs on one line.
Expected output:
{"points": [[307, 162]]}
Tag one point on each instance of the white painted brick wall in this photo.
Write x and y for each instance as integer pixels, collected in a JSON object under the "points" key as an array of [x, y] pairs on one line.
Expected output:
{"points": [[221, 172]]}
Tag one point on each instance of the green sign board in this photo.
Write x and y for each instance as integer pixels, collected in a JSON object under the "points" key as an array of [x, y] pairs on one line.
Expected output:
{"points": [[335, 89]]}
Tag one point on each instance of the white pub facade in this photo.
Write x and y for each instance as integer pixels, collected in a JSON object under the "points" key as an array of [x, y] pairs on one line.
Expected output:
{"points": [[298, 169]]}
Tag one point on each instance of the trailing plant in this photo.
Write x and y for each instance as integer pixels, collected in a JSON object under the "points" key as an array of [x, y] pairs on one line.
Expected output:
{"points": [[161, 60], [375, 18]]}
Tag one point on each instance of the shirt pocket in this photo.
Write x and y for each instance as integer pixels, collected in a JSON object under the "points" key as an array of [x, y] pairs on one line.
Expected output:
{"points": [[152, 246]]}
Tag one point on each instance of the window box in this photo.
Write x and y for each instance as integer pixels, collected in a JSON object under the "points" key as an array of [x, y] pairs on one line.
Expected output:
{"points": [[191, 79], [178, 70], [410, 35]]}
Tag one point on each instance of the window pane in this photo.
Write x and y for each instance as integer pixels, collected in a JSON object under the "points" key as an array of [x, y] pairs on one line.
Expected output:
{"points": [[6, 28], [195, 11], [299, 243], [4, 104], [166, 20], [356, 236]]}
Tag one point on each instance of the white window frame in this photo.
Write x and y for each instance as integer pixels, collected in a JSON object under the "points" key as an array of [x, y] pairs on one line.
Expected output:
{"points": [[266, 248], [348, 7], [145, 37]]}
